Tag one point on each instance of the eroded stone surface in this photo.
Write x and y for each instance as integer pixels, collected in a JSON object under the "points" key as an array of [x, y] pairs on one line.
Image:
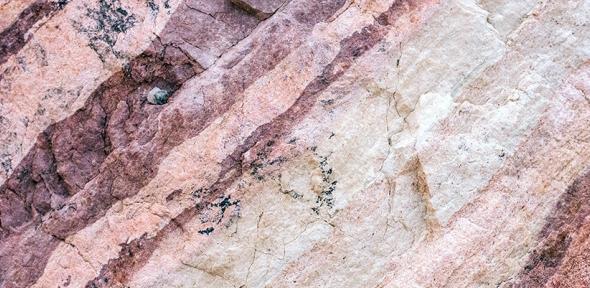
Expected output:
{"points": [[302, 143], [261, 8]]}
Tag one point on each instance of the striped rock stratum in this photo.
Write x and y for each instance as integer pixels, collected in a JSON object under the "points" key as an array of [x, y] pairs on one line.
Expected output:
{"points": [[294, 143]]}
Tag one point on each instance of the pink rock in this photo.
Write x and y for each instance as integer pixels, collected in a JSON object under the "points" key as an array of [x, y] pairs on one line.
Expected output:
{"points": [[261, 8]]}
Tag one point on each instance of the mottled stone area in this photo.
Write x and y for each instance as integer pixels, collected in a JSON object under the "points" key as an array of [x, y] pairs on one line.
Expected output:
{"points": [[294, 143], [261, 8]]}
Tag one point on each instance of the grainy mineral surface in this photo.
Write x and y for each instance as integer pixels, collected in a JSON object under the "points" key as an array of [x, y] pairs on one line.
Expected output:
{"points": [[294, 143]]}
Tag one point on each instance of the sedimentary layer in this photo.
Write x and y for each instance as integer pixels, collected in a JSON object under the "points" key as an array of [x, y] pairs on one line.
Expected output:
{"points": [[294, 143]]}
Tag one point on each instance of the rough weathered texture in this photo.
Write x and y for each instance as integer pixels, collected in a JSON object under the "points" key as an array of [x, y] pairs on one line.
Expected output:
{"points": [[261, 8], [13, 37], [561, 258], [294, 143]]}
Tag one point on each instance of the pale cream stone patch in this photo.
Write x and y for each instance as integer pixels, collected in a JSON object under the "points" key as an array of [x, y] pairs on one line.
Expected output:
{"points": [[506, 16], [487, 242]]}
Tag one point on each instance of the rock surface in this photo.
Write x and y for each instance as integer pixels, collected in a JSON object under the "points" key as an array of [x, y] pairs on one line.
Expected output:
{"points": [[261, 8], [302, 143]]}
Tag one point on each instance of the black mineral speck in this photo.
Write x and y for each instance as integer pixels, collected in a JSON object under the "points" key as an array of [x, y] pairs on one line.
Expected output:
{"points": [[206, 231], [108, 20]]}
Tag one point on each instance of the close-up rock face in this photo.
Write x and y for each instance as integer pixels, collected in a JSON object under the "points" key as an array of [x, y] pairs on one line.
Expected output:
{"points": [[294, 143]]}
